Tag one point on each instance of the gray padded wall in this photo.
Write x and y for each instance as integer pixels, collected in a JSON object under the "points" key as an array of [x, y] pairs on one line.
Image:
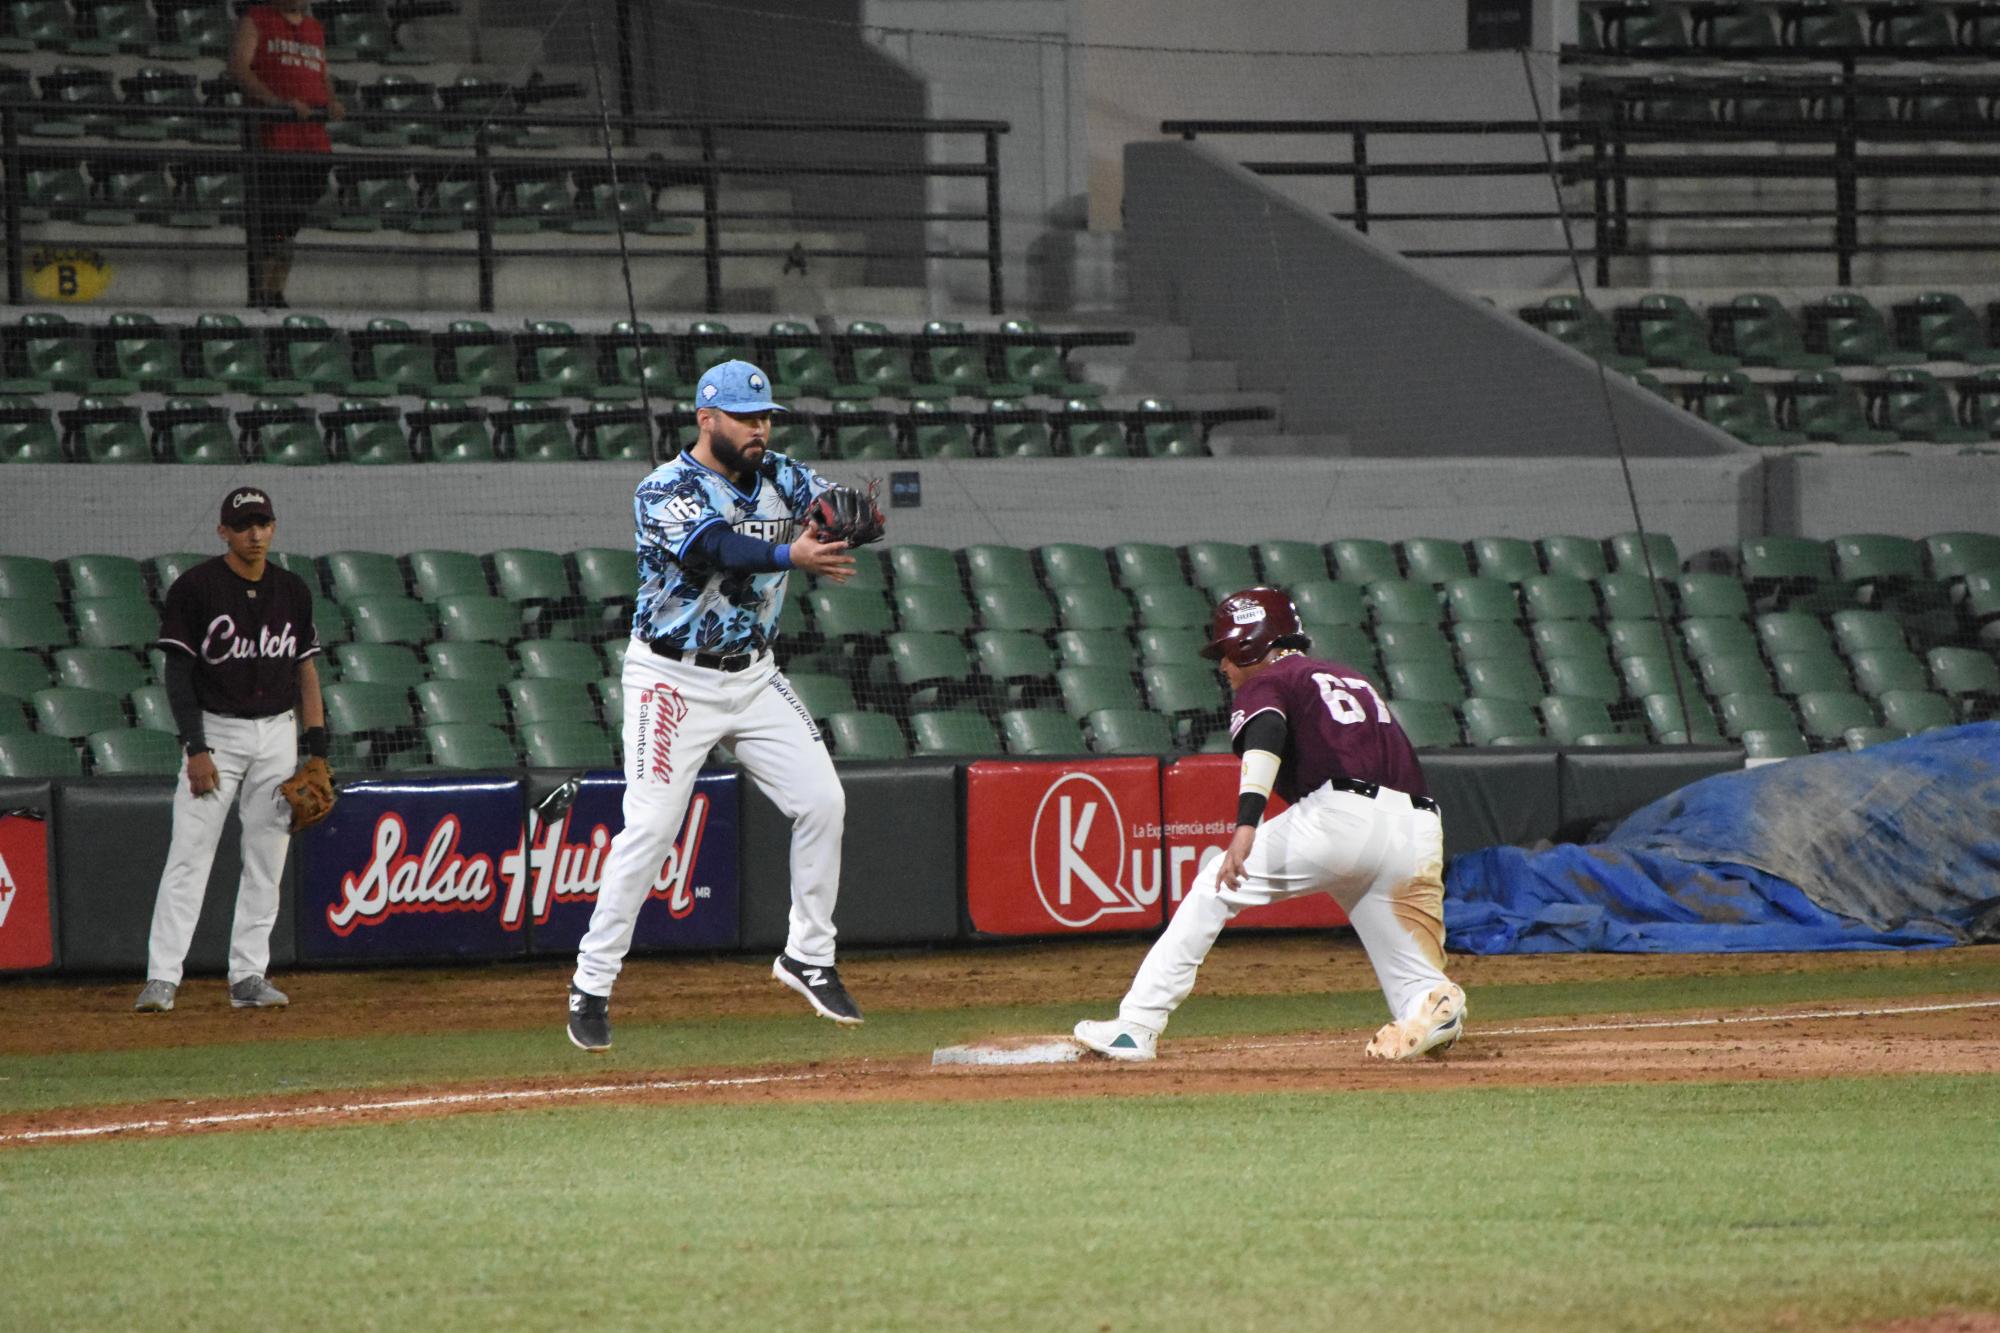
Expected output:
{"points": [[899, 870], [1342, 326], [111, 841], [1494, 796], [1610, 784]]}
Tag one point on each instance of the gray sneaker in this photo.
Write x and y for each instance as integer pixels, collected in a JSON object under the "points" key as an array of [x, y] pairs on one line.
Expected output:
{"points": [[156, 998], [256, 993]]}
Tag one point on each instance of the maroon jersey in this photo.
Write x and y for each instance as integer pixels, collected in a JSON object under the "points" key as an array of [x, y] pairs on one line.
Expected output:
{"points": [[247, 639], [1337, 726]]}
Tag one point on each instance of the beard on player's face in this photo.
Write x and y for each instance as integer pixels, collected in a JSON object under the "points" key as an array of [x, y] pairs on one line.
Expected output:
{"points": [[734, 439]]}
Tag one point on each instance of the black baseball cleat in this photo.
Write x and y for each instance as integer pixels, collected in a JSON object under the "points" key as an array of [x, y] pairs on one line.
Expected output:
{"points": [[589, 1020], [821, 987]]}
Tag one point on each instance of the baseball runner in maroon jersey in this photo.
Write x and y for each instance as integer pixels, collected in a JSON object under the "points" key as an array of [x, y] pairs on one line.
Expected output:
{"points": [[1360, 827], [241, 679]]}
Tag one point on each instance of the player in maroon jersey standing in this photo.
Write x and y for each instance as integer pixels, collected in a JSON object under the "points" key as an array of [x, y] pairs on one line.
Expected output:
{"points": [[1360, 827], [278, 58]]}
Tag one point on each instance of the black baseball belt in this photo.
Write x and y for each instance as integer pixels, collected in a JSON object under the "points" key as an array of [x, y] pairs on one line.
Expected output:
{"points": [[1373, 789], [711, 661]]}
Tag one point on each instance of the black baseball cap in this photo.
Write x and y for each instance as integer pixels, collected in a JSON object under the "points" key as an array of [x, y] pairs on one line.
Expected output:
{"points": [[246, 502]]}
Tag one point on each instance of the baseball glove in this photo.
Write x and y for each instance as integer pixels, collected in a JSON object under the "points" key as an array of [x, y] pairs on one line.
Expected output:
{"points": [[309, 792], [849, 516]]}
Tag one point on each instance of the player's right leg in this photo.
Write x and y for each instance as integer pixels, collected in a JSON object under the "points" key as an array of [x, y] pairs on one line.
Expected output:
{"points": [[674, 713], [1400, 919], [197, 830]]}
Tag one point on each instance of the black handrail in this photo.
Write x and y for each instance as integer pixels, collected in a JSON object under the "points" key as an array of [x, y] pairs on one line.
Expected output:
{"points": [[1605, 161], [483, 166]]}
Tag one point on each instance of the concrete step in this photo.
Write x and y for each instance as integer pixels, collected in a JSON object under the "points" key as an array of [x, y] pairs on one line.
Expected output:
{"points": [[1171, 378], [1232, 442]]}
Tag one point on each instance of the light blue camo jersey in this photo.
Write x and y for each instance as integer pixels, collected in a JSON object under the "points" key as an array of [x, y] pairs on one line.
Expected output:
{"points": [[713, 610]]}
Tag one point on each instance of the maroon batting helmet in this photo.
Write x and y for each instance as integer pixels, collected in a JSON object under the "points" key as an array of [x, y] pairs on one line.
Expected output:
{"points": [[1248, 624]]}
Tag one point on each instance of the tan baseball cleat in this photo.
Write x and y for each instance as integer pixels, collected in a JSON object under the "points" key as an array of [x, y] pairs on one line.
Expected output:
{"points": [[1435, 1028]]}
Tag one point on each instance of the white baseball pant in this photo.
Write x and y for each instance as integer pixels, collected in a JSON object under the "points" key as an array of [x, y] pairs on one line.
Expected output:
{"points": [[675, 713], [1380, 857], [252, 756]]}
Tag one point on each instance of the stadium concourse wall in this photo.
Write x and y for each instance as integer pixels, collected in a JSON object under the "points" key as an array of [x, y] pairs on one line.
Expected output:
{"points": [[482, 867]]}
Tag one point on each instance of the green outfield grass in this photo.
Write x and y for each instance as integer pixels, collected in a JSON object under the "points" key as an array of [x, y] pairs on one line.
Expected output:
{"points": [[538, 1047], [1733, 1206]]}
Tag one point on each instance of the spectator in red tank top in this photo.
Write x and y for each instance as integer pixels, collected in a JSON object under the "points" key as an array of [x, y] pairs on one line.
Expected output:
{"points": [[279, 59]]}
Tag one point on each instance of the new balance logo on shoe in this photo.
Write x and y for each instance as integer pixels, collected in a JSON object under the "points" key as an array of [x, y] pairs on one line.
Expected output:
{"points": [[814, 976], [820, 984]]}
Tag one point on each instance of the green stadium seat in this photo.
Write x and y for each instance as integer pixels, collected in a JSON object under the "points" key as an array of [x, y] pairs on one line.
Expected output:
{"points": [[1576, 557], [1096, 649], [1040, 367], [27, 433], [1944, 328], [1348, 644], [29, 578], [312, 352], [352, 575], [1084, 437], [1014, 607], [162, 571], [1404, 602], [807, 370], [1629, 554], [104, 576], [1584, 678], [72, 713], [150, 709], [479, 616], [1558, 597], [486, 663], [933, 609], [1706, 595], [1657, 673], [114, 435], [1220, 568], [1434, 559], [1731, 401], [132, 752], [331, 622], [887, 370], [460, 701], [850, 618], [1915, 406], [608, 578], [115, 622], [1071, 565], [1743, 713], [1879, 565], [227, 351], [931, 670], [569, 744], [1493, 640], [918, 565], [1825, 715], [1414, 642], [284, 433], [1426, 680], [1328, 603], [470, 746], [953, 733], [861, 735], [1089, 689], [1632, 598], [1017, 665], [1175, 645], [1471, 598], [1495, 721], [1735, 673], [23, 672], [1087, 607], [111, 670], [1883, 671], [1860, 631], [1912, 711], [1503, 678], [1569, 638], [1579, 324], [141, 350], [1775, 742], [1718, 637], [1970, 678], [366, 722], [379, 663], [1429, 725], [559, 659], [1128, 731], [1288, 564], [1860, 738], [1668, 722], [1854, 332], [1822, 405], [1581, 722], [820, 694], [936, 432], [1511, 559], [439, 574], [544, 700], [1189, 696], [35, 755], [30, 623], [991, 565], [1670, 333], [1792, 632], [14, 710], [391, 620], [1951, 556], [1146, 564], [1756, 328], [1359, 560], [1171, 606], [1041, 731]]}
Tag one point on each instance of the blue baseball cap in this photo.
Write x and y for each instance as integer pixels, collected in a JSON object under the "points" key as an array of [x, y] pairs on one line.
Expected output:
{"points": [[735, 386]]}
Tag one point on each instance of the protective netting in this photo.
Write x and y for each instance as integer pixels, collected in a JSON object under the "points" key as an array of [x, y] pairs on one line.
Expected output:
{"points": [[1107, 373]]}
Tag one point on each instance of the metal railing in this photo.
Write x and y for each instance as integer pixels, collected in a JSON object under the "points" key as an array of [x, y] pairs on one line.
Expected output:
{"points": [[1598, 153], [489, 170]]}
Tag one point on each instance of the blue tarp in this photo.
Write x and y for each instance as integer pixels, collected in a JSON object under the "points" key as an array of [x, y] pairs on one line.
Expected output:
{"points": [[1897, 846]]}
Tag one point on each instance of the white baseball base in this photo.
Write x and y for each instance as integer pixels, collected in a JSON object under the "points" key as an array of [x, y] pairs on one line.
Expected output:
{"points": [[1011, 1051]]}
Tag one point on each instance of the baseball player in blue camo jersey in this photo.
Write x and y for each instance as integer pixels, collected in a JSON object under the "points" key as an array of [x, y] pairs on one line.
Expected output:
{"points": [[720, 528], [1360, 827]]}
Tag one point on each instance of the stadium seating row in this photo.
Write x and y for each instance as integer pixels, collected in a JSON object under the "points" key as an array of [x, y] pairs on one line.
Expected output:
{"points": [[545, 359], [1736, 30], [190, 29], [1769, 105]]}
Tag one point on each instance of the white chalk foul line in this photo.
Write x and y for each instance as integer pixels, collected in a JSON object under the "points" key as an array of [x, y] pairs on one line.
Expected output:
{"points": [[401, 1104], [1719, 1020]]}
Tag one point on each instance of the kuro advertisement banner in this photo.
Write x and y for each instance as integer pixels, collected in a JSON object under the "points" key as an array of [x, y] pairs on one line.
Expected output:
{"points": [[1063, 848], [552, 878], [1199, 796], [27, 941], [407, 869]]}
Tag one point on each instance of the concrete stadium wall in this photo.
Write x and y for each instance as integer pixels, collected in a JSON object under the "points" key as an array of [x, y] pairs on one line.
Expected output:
{"points": [[56, 510], [1360, 341], [1829, 494]]}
